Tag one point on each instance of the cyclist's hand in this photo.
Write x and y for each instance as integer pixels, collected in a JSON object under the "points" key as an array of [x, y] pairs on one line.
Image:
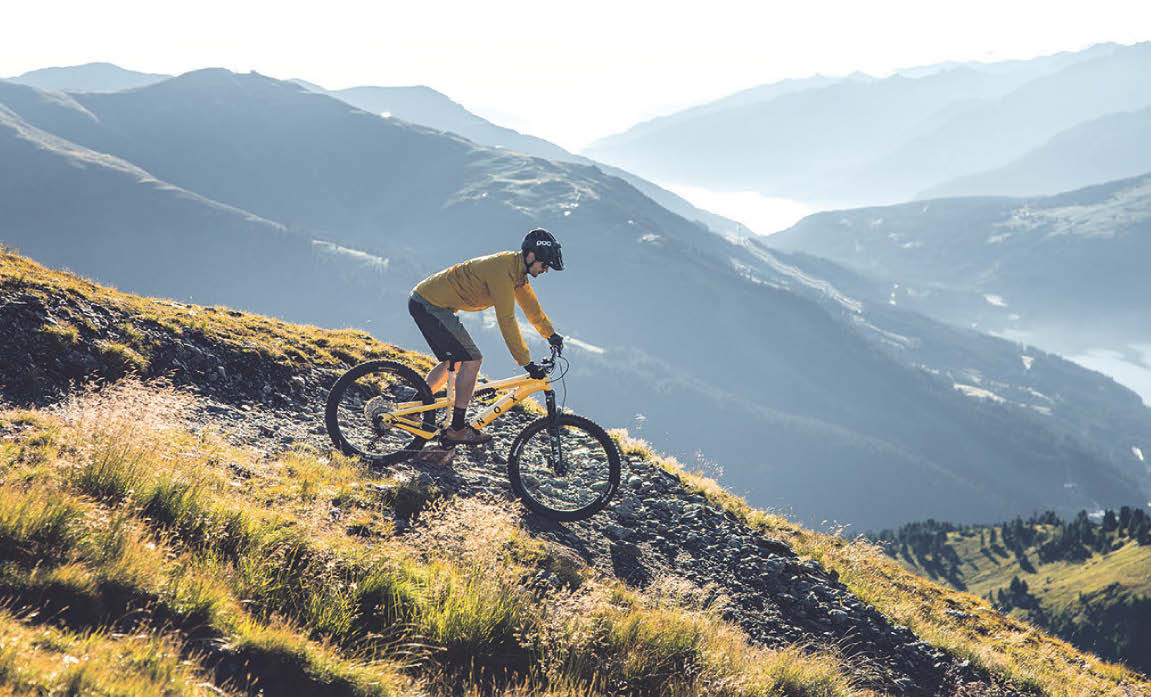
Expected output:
{"points": [[535, 371], [557, 343]]}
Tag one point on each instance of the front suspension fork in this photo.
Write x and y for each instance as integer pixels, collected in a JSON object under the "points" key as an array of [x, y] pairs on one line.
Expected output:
{"points": [[557, 458]]}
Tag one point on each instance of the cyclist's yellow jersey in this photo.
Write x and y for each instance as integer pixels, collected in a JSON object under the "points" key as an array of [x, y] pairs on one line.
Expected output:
{"points": [[499, 279]]}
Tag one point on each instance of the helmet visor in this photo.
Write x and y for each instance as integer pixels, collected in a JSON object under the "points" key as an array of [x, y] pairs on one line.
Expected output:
{"points": [[554, 258]]}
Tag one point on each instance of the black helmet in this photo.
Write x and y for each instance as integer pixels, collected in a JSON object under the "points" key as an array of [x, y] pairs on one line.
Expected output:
{"points": [[546, 248]]}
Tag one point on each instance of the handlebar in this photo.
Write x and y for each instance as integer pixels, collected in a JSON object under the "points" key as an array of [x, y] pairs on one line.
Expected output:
{"points": [[549, 364]]}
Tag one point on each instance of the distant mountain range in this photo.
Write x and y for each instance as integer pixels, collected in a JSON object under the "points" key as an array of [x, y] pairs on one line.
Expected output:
{"points": [[1069, 268], [859, 141], [90, 77], [427, 107], [1110, 147], [417, 104], [277, 199], [95, 212]]}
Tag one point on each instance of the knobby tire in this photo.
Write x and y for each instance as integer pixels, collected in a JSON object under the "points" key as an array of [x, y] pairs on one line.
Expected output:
{"points": [[348, 434], [578, 429]]}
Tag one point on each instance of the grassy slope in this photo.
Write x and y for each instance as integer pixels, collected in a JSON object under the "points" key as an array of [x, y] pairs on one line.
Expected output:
{"points": [[1094, 602], [125, 526], [292, 344], [1056, 584]]}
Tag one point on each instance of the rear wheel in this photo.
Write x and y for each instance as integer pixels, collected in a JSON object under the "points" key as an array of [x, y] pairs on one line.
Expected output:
{"points": [[361, 396], [573, 486]]}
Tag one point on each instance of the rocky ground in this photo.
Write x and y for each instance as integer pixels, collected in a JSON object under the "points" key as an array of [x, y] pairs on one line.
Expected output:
{"points": [[655, 527]]}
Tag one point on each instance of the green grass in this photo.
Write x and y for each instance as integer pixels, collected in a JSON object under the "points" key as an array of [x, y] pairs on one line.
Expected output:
{"points": [[45, 660], [39, 441], [120, 360], [37, 525], [1095, 602], [1057, 584], [114, 471]]}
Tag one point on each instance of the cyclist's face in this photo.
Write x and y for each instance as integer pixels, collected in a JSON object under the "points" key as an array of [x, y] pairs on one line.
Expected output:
{"points": [[535, 268]]}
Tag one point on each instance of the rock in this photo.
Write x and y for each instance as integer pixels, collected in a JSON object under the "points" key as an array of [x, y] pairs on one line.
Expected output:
{"points": [[774, 546], [418, 480], [617, 532], [626, 548], [626, 508], [438, 457]]}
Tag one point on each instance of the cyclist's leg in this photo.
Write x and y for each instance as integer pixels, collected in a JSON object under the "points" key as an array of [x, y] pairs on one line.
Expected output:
{"points": [[466, 376], [449, 341], [466, 381], [438, 377]]}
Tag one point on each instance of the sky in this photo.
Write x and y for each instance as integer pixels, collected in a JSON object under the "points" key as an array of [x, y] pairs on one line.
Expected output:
{"points": [[567, 72]]}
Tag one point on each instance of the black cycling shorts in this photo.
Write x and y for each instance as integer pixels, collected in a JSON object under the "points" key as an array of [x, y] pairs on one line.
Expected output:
{"points": [[443, 331]]}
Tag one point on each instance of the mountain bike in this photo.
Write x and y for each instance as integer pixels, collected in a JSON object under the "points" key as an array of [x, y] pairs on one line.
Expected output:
{"points": [[561, 465]]}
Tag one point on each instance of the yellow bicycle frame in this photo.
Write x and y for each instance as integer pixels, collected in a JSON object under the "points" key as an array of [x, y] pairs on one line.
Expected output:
{"points": [[515, 391]]}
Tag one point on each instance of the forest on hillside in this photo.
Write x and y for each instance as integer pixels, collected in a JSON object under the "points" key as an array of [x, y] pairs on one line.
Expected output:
{"points": [[1111, 619]]}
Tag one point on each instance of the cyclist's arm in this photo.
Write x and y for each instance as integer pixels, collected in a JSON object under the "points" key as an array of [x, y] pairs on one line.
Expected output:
{"points": [[505, 298], [526, 297]]}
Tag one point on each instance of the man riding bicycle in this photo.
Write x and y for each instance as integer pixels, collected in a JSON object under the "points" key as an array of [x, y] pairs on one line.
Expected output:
{"points": [[501, 280]]}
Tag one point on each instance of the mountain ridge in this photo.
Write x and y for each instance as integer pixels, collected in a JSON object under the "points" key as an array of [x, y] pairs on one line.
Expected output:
{"points": [[882, 141], [437, 110], [193, 246], [1111, 147], [1020, 251], [89, 77]]}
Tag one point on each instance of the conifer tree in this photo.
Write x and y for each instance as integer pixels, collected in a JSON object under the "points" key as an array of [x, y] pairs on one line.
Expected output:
{"points": [[1109, 521]]}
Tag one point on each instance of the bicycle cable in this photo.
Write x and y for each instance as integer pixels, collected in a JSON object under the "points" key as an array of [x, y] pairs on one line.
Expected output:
{"points": [[563, 383]]}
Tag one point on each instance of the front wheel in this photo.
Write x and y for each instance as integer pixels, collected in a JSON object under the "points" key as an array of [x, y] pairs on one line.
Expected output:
{"points": [[566, 474]]}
